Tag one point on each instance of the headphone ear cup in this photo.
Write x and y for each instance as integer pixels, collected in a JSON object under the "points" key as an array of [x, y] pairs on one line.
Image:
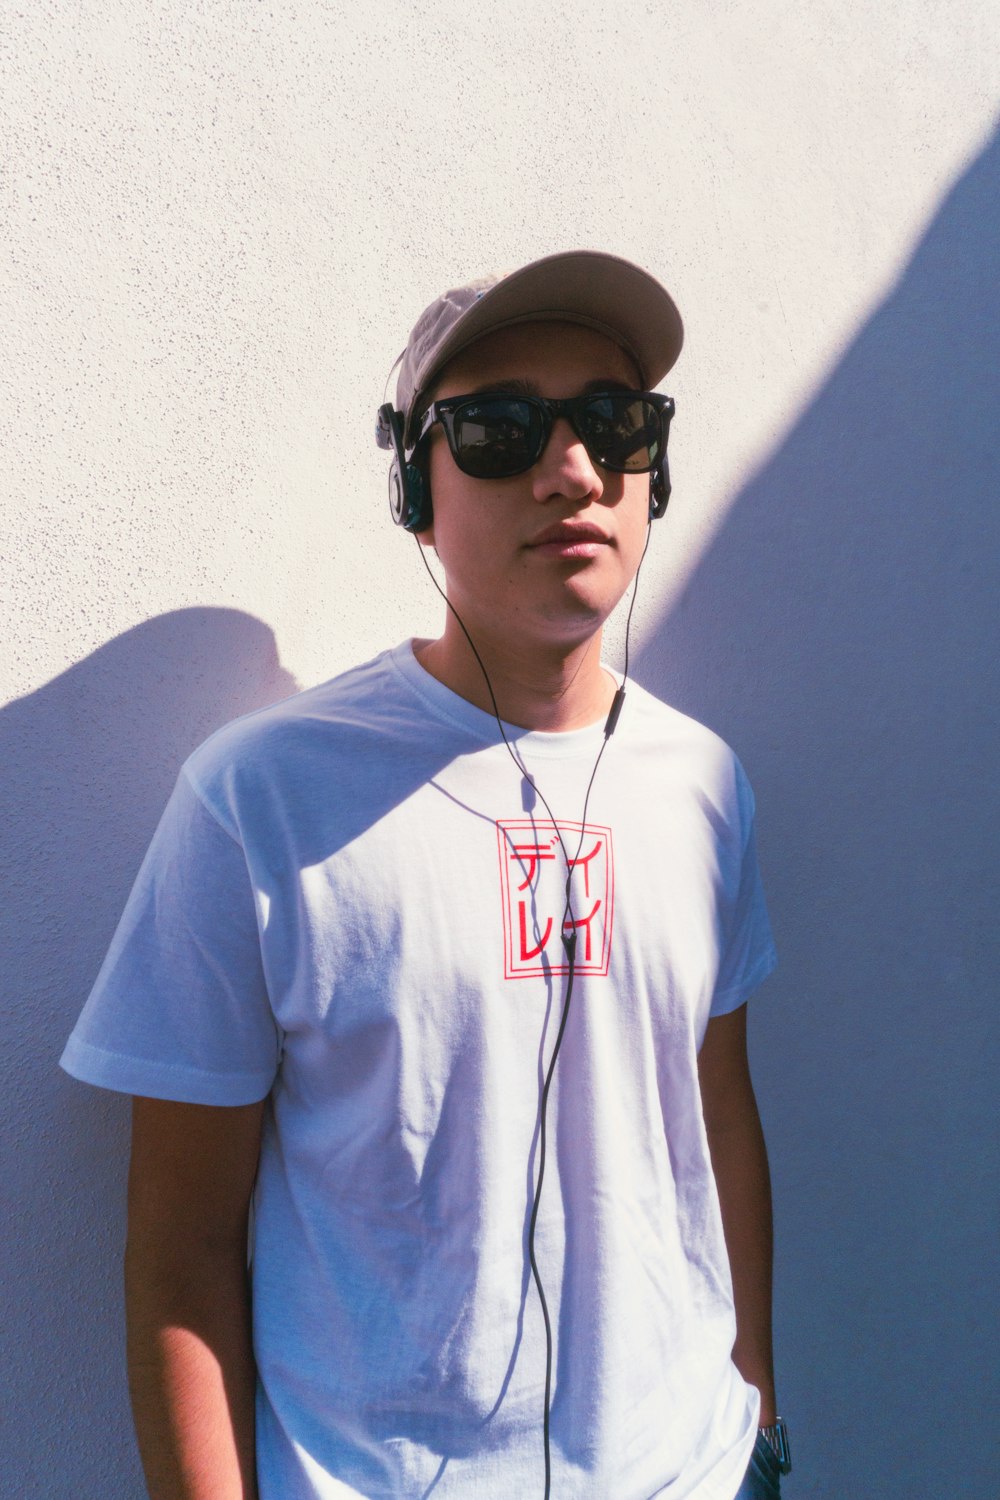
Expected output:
{"points": [[409, 492], [397, 499], [409, 497], [659, 490], [418, 499]]}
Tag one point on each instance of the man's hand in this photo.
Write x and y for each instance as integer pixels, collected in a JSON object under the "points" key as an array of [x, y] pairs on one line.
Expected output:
{"points": [[191, 1371], [739, 1161]]}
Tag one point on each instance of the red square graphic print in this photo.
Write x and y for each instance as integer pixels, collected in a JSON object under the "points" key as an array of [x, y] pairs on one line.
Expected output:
{"points": [[533, 895]]}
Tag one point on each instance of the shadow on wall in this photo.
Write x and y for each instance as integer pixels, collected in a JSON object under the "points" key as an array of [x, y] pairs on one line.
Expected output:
{"points": [[88, 763], [841, 633]]}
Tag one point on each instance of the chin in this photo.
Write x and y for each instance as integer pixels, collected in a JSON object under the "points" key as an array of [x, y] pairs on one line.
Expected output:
{"points": [[572, 625]]}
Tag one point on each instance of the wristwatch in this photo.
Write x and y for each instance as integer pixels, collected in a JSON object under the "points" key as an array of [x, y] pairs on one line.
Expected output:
{"points": [[776, 1437]]}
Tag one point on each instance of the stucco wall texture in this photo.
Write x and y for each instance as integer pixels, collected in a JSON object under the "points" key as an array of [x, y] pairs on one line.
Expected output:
{"points": [[219, 222]]}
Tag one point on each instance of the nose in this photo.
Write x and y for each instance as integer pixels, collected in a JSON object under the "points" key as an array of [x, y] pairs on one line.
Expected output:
{"points": [[565, 469]]}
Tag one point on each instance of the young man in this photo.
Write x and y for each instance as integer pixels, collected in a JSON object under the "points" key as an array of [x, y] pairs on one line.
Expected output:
{"points": [[453, 967]]}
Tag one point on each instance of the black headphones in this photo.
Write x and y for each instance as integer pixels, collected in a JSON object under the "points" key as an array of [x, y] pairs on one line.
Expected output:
{"points": [[410, 506], [410, 492], [659, 479]]}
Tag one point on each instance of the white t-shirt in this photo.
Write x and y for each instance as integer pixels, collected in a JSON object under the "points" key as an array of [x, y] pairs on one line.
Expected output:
{"points": [[351, 905]]}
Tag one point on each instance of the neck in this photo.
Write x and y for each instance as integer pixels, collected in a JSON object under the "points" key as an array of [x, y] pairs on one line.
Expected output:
{"points": [[554, 688]]}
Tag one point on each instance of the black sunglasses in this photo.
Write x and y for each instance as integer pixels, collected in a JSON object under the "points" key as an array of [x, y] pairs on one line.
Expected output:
{"points": [[495, 436]]}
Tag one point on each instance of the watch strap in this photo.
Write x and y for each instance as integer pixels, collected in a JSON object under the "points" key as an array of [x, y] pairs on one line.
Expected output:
{"points": [[776, 1437]]}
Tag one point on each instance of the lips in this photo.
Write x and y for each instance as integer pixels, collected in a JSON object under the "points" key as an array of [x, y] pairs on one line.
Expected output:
{"points": [[567, 534]]}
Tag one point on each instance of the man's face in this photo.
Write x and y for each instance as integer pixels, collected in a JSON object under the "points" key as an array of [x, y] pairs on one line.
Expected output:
{"points": [[543, 557]]}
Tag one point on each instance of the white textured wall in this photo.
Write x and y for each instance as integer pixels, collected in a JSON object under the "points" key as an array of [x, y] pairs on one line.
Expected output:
{"points": [[218, 222]]}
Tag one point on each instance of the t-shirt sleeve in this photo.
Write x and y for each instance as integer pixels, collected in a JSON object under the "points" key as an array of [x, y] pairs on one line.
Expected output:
{"points": [[180, 1008], [748, 953]]}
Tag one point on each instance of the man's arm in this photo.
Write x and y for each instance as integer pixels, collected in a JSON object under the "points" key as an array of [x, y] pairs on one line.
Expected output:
{"points": [[190, 1357], [739, 1161]]}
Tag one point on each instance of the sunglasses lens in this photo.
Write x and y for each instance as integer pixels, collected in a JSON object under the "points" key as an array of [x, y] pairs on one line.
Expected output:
{"points": [[496, 438], [622, 431]]}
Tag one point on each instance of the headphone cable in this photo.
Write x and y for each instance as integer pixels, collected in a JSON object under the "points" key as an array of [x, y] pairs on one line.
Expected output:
{"points": [[569, 947]]}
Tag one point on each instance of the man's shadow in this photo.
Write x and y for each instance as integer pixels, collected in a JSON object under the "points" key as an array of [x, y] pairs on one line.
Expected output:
{"points": [[88, 763], [90, 760], [841, 633]]}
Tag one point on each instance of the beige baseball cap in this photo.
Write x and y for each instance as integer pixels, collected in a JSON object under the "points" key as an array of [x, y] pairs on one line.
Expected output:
{"points": [[601, 291]]}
